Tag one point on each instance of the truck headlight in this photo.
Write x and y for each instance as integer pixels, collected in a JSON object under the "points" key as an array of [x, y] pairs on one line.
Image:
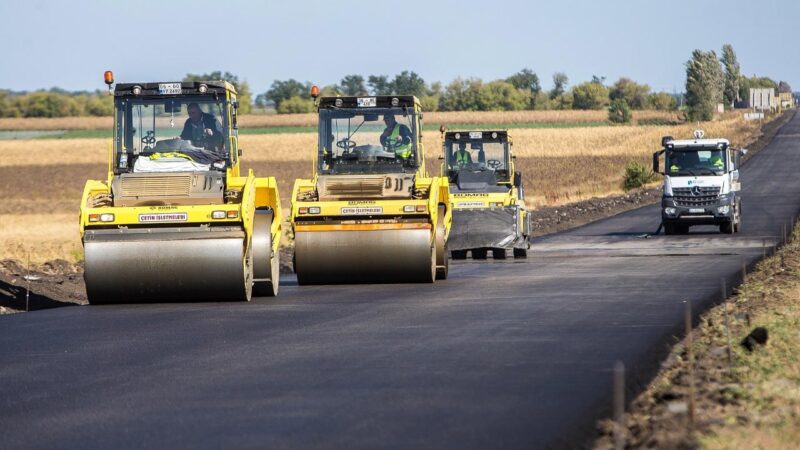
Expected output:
{"points": [[724, 209], [670, 211]]}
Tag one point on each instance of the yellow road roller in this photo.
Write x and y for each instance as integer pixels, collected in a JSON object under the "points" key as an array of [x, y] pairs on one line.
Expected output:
{"points": [[174, 220], [488, 199], [370, 212]]}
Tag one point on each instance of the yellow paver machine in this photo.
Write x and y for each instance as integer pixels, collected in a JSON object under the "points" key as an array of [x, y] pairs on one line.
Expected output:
{"points": [[175, 220], [371, 212], [489, 213]]}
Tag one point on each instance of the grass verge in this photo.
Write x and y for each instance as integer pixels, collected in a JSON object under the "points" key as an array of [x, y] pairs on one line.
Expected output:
{"points": [[744, 399]]}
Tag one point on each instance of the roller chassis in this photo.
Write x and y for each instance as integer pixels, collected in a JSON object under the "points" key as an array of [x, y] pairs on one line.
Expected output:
{"points": [[180, 247]]}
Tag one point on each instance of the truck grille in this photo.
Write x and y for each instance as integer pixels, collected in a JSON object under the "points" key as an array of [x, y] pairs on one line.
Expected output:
{"points": [[156, 186], [695, 196]]}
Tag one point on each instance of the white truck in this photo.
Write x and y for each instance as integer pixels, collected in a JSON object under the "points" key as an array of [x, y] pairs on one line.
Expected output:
{"points": [[701, 184]]}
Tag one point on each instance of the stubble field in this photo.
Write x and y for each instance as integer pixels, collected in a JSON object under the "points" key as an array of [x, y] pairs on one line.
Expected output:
{"points": [[41, 181]]}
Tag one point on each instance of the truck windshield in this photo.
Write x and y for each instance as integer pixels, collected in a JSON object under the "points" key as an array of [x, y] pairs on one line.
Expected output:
{"points": [[380, 140], [477, 155], [195, 127], [696, 162]]}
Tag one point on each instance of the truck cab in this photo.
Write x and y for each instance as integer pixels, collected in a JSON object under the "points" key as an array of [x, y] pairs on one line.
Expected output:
{"points": [[701, 184]]}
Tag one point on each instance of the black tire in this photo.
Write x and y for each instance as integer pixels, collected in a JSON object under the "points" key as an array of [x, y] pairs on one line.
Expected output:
{"points": [[479, 253], [727, 227], [737, 215], [520, 253], [499, 253], [458, 254], [669, 229], [682, 229]]}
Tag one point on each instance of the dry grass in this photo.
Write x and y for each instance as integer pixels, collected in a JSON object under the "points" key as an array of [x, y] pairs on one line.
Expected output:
{"points": [[559, 164], [310, 120], [40, 237]]}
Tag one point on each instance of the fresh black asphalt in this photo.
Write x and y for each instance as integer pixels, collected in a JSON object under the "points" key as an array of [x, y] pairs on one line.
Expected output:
{"points": [[503, 354]]}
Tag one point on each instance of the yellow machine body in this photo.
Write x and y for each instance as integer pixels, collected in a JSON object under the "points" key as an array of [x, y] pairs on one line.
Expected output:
{"points": [[172, 228], [489, 212], [370, 212]]}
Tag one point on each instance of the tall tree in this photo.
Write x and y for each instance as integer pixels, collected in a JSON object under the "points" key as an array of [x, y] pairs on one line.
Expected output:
{"points": [[560, 82], [635, 95], [589, 95], [527, 80], [353, 85], [704, 85], [732, 75], [284, 90], [409, 83], [243, 94], [783, 87], [379, 85]]}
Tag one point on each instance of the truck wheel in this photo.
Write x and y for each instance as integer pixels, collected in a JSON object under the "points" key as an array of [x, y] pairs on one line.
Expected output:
{"points": [[681, 229], [669, 229], [520, 253], [737, 215], [727, 227]]}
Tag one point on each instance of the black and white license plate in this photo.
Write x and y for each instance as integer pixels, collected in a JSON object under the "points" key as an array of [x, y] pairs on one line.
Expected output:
{"points": [[169, 88]]}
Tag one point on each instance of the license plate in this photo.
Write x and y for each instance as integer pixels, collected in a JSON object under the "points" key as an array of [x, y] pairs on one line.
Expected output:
{"points": [[475, 134], [362, 210], [367, 102], [169, 88], [469, 204], [164, 217], [697, 210]]}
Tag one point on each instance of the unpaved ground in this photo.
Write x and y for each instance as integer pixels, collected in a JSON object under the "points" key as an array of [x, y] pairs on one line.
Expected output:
{"points": [[59, 283]]}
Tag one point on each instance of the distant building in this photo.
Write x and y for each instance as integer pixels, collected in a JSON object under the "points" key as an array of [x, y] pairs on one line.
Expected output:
{"points": [[786, 100], [763, 99]]}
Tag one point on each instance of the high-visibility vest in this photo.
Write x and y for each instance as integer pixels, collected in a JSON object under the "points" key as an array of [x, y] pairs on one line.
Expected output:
{"points": [[402, 150], [160, 155], [717, 161], [462, 157]]}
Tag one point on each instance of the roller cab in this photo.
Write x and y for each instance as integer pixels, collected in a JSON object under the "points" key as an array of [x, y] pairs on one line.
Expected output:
{"points": [[175, 220], [370, 212], [486, 193]]}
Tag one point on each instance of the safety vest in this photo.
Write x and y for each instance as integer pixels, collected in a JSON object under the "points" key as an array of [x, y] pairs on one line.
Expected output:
{"points": [[402, 150], [160, 155], [717, 161], [462, 157], [674, 168]]}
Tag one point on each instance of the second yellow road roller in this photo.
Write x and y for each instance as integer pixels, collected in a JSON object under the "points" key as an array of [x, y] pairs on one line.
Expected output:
{"points": [[174, 219], [370, 212]]}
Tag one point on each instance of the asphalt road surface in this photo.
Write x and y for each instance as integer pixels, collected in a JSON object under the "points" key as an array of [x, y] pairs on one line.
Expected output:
{"points": [[506, 354]]}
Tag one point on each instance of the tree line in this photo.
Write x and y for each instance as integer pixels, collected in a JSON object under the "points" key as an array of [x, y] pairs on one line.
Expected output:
{"points": [[520, 91], [709, 81]]}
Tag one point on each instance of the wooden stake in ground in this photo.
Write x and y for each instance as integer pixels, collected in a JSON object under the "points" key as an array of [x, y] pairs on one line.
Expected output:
{"points": [[619, 405], [727, 326], [687, 316]]}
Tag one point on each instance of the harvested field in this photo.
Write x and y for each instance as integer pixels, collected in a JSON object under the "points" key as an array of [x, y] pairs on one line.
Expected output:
{"points": [[561, 165], [310, 120]]}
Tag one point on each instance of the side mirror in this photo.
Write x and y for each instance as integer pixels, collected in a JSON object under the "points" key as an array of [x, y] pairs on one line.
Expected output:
{"points": [[239, 152], [517, 179], [743, 151], [656, 155], [441, 157]]}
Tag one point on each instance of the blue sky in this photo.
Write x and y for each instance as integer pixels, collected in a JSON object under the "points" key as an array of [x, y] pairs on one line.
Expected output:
{"points": [[69, 44]]}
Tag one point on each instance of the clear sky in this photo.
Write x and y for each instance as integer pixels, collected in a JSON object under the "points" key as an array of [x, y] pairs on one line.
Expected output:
{"points": [[69, 44]]}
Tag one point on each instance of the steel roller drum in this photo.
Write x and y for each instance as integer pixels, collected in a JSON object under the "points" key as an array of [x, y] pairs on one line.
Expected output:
{"points": [[165, 265], [367, 256]]}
